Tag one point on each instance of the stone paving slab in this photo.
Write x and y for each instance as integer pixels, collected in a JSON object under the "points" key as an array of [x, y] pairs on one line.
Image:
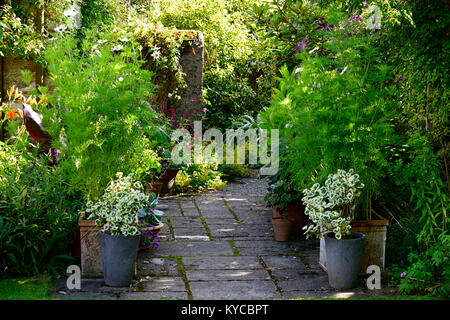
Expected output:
{"points": [[186, 222], [90, 289], [90, 285], [187, 203], [284, 262], [256, 217], [240, 231], [180, 233], [190, 212], [172, 212], [157, 266], [227, 290], [302, 294], [161, 284], [192, 249], [261, 247], [85, 296], [305, 282], [210, 200], [202, 275], [224, 263], [220, 220], [215, 212], [262, 244], [155, 295]]}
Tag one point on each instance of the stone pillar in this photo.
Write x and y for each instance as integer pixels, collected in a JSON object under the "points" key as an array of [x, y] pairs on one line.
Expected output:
{"points": [[191, 64]]}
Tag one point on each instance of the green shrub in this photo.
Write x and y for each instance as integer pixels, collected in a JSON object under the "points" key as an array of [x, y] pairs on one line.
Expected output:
{"points": [[334, 113], [198, 177], [37, 215], [227, 99], [233, 172], [100, 119], [429, 272]]}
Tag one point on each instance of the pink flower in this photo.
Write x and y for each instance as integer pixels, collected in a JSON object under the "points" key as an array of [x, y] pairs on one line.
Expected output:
{"points": [[204, 109]]}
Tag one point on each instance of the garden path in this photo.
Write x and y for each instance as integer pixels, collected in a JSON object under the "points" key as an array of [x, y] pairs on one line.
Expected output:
{"points": [[220, 245]]}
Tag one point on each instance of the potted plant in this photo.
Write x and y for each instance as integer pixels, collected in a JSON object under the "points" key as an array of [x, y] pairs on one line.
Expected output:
{"points": [[168, 174], [150, 223], [285, 202], [331, 209], [282, 227], [116, 212]]}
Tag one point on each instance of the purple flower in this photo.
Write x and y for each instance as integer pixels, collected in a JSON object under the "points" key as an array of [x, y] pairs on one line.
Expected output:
{"points": [[55, 154], [301, 46], [355, 18], [403, 274]]}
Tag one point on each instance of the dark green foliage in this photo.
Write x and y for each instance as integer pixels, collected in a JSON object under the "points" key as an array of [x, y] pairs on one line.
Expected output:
{"points": [[37, 216], [418, 49], [227, 99], [429, 272], [281, 194]]}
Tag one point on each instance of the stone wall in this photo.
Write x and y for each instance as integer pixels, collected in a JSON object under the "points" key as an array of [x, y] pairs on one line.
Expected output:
{"points": [[10, 72]]}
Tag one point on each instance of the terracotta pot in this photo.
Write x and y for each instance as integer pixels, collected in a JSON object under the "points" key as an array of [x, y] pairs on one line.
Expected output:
{"points": [[155, 187], [155, 231], [282, 229], [296, 214]]}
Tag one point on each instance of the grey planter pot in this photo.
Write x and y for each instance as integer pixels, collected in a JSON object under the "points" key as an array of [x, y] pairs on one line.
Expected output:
{"points": [[343, 259], [119, 255]]}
